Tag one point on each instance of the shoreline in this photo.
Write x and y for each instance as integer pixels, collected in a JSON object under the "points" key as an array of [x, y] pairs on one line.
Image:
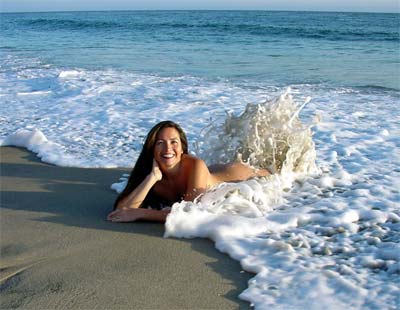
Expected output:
{"points": [[58, 251]]}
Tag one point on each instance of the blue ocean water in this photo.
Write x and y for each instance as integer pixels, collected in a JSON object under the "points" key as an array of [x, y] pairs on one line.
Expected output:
{"points": [[280, 48]]}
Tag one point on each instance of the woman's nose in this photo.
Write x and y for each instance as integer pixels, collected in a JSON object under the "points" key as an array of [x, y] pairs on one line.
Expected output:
{"points": [[167, 146]]}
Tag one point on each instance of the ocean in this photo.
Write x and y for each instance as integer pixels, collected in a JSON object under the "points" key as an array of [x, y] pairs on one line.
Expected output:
{"points": [[312, 95]]}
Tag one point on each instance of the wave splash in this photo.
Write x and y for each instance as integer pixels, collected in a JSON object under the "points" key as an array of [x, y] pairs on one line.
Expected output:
{"points": [[268, 135]]}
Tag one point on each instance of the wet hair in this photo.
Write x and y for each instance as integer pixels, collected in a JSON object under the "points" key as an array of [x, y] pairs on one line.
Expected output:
{"points": [[144, 163]]}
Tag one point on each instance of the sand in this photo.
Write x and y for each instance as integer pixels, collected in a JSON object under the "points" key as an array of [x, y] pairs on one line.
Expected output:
{"points": [[59, 252]]}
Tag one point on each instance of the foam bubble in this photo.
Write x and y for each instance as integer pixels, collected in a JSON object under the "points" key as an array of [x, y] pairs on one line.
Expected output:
{"points": [[68, 74]]}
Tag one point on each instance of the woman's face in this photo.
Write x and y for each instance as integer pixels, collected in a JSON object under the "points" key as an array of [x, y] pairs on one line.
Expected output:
{"points": [[168, 148]]}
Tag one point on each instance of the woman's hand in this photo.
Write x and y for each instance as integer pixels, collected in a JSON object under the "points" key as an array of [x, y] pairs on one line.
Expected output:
{"points": [[132, 215], [125, 215], [156, 171]]}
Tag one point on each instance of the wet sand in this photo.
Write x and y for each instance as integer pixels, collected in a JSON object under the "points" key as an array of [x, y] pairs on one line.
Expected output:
{"points": [[59, 252]]}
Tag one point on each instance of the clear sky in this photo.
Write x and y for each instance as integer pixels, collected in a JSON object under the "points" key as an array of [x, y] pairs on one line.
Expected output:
{"points": [[391, 6]]}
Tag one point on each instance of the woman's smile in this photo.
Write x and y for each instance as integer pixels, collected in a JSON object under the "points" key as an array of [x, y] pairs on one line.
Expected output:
{"points": [[168, 158]]}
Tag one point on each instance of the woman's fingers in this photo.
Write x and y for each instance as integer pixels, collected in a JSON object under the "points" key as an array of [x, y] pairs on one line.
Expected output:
{"points": [[156, 170], [114, 215], [127, 215], [155, 164]]}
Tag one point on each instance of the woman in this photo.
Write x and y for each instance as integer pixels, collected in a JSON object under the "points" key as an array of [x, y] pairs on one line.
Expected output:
{"points": [[165, 173]]}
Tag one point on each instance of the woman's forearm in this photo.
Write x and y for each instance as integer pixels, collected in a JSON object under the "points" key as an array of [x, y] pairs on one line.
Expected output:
{"points": [[137, 196], [154, 215]]}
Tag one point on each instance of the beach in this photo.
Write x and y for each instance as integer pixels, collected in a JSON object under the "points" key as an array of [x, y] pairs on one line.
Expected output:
{"points": [[59, 252]]}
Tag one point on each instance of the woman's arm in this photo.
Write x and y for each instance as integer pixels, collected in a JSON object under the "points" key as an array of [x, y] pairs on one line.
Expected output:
{"points": [[132, 215], [137, 196], [128, 208]]}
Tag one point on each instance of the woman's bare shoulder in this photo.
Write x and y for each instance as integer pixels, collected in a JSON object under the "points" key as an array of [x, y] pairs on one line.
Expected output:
{"points": [[194, 162]]}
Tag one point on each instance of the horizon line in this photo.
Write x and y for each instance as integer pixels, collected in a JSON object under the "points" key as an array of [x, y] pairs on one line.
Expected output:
{"points": [[166, 10]]}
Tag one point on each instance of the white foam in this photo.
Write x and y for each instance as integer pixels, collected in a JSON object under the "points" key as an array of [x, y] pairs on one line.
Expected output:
{"points": [[69, 73], [50, 152], [33, 93]]}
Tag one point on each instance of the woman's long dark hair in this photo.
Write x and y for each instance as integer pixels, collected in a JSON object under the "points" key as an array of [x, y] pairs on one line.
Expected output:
{"points": [[144, 163]]}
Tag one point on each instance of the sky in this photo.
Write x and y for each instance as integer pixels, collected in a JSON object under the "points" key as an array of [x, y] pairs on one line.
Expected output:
{"points": [[390, 6]]}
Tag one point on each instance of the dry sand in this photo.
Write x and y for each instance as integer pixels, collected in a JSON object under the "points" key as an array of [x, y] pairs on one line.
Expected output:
{"points": [[59, 252]]}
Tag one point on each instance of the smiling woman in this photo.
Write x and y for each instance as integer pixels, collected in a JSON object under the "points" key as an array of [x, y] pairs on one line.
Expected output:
{"points": [[165, 173]]}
